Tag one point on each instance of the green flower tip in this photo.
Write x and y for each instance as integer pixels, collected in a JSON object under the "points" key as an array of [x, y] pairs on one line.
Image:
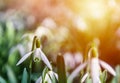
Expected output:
{"points": [[93, 51], [37, 42]]}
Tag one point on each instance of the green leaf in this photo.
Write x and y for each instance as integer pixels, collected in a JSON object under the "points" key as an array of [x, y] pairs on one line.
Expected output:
{"points": [[116, 79], [88, 80], [10, 32], [61, 69], [1, 33], [2, 80], [103, 76], [11, 75], [12, 58], [10, 29], [25, 76]]}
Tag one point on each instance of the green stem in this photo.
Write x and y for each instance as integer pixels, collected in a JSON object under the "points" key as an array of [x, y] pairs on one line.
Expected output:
{"points": [[31, 58]]}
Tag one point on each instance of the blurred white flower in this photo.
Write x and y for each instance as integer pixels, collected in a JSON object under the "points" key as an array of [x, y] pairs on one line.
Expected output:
{"points": [[94, 63], [62, 34], [79, 23], [49, 23], [30, 20], [78, 57], [71, 60], [38, 54], [43, 31]]}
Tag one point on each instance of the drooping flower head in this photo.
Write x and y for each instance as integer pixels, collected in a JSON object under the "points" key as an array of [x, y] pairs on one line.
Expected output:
{"points": [[37, 53], [93, 64]]}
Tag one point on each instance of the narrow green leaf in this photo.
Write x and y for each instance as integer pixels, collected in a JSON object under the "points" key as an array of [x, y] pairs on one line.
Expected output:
{"points": [[10, 32], [25, 76], [116, 79], [118, 73], [88, 80], [10, 29], [61, 69], [11, 75], [12, 59], [103, 76], [1, 33], [2, 80]]}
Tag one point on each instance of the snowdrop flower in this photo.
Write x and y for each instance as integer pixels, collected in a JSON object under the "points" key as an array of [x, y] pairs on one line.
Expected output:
{"points": [[94, 64], [50, 77], [37, 55]]}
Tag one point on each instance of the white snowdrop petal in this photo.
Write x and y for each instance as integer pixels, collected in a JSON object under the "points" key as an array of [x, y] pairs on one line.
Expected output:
{"points": [[39, 80], [24, 58], [53, 74], [107, 67], [45, 60], [84, 77], [47, 79], [56, 75], [36, 57], [76, 71], [95, 70]]}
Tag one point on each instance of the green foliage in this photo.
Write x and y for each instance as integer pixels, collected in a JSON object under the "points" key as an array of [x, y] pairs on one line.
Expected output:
{"points": [[2, 80], [25, 76], [88, 80], [9, 54], [103, 76], [116, 79], [61, 69], [11, 75], [10, 32]]}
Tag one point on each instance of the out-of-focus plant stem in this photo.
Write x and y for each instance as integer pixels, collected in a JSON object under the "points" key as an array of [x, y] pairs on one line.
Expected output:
{"points": [[31, 58]]}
